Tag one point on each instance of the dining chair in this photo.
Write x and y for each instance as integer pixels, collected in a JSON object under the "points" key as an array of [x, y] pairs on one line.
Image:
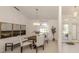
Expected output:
{"points": [[24, 43], [39, 42]]}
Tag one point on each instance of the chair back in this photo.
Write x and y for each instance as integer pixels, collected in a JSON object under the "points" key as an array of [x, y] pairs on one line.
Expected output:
{"points": [[40, 40], [20, 39]]}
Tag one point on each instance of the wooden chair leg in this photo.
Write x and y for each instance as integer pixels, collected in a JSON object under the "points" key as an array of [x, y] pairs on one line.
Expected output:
{"points": [[43, 47], [5, 48], [12, 47], [30, 46], [21, 49], [36, 49], [47, 41]]}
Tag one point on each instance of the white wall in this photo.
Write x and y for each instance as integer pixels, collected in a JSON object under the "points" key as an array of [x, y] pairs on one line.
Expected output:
{"points": [[31, 28], [10, 15]]}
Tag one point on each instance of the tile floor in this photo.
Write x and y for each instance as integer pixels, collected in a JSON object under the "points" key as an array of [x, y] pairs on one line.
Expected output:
{"points": [[70, 48]]}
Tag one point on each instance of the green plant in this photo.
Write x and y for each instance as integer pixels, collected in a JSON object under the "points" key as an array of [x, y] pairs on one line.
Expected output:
{"points": [[53, 29]]}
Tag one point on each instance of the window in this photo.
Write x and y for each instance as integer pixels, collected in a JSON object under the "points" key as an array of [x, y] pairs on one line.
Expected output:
{"points": [[66, 31], [66, 28], [44, 28]]}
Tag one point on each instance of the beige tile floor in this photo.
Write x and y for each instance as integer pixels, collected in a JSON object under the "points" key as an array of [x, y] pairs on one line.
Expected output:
{"points": [[70, 48], [51, 47]]}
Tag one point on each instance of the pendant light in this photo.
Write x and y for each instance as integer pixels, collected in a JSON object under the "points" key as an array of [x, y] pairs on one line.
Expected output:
{"points": [[36, 23], [75, 14]]}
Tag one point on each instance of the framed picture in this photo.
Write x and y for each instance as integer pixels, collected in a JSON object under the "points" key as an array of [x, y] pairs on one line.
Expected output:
{"points": [[6, 30]]}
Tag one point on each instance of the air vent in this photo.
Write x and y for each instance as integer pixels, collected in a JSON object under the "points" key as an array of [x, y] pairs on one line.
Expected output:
{"points": [[16, 8]]}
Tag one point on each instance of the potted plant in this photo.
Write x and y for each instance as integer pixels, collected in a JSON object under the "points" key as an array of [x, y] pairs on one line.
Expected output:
{"points": [[53, 29]]}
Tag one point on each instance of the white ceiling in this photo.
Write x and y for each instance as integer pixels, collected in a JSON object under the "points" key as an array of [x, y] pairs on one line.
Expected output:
{"points": [[68, 11], [45, 12]]}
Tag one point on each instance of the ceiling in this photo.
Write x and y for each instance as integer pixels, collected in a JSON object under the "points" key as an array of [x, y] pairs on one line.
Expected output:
{"points": [[68, 11], [44, 12]]}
